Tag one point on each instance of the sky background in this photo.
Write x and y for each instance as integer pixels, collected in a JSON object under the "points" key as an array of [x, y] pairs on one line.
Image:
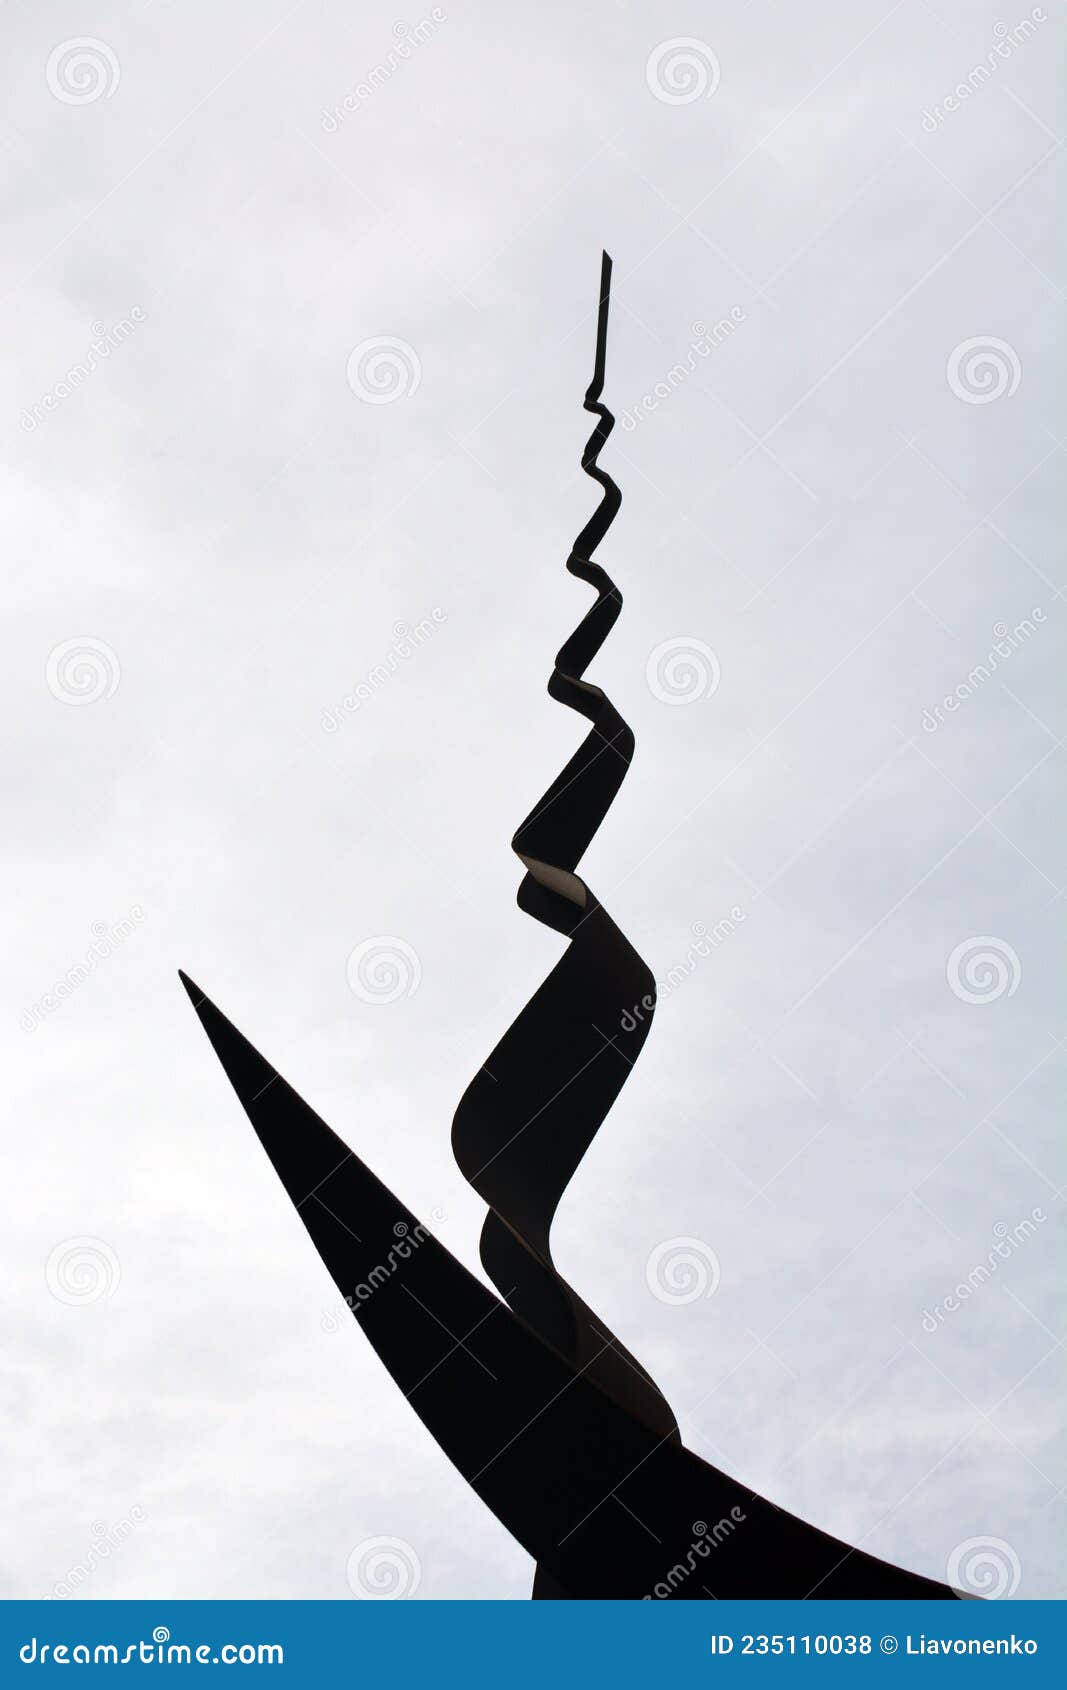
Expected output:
{"points": [[214, 534]]}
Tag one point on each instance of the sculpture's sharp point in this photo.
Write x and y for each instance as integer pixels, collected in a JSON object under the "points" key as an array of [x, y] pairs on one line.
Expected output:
{"points": [[249, 1073], [196, 996]]}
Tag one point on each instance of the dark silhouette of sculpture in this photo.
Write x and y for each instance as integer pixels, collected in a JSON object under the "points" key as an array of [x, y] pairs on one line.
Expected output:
{"points": [[557, 1428]]}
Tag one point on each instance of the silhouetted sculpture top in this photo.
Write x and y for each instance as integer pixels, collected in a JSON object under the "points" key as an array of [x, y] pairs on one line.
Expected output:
{"points": [[552, 1422]]}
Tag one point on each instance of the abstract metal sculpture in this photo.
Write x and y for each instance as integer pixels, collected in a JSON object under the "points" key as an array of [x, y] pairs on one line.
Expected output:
{"points": [[549, 1419]]}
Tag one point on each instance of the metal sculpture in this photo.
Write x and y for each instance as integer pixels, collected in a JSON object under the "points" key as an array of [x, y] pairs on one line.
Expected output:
{"points": [[552, 1422]]}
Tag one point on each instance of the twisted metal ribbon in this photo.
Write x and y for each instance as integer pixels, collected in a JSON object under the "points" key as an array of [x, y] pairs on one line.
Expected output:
{"points": [[549, 1419]]}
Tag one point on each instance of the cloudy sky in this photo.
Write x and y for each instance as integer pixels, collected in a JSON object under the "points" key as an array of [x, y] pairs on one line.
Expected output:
{"points": [[224, 515]]}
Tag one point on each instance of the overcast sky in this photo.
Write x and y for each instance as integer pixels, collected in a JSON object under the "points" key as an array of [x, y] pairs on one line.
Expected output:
{"points": [[223, 516]]}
